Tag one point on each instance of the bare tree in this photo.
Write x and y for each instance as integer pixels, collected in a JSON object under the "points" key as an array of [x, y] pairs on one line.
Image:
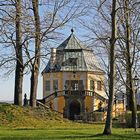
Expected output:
{"points": [[36, 63], [129, 54], [108, 125], [103, 35], [13, 21], [19, 57], [127, 42]]}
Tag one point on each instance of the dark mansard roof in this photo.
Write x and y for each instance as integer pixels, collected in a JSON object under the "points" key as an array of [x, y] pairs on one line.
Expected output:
{"points": [[72, 55]]}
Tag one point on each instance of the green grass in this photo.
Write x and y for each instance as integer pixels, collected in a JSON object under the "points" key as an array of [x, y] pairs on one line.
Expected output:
{"points": [[73, 132], [25, 123]]}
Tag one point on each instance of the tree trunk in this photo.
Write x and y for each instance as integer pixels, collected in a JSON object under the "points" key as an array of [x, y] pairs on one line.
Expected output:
{"points": [[33, 90], [128, 58], [108, 125], [19, 59], [36, 64], [131, 96], [128, 91]]}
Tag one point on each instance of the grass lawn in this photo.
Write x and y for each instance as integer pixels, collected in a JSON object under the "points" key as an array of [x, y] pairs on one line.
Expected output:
{"points": [[74, 131], [25, 123]]}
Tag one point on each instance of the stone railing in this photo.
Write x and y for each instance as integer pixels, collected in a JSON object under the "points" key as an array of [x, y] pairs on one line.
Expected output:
{"points": [[73, 93]]}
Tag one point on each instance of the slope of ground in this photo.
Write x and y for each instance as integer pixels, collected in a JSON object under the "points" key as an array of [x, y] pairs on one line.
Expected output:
{"points": [[16, 116]]}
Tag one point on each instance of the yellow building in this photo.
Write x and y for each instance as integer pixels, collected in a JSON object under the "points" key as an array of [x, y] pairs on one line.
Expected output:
{"points": [[73, 79]]}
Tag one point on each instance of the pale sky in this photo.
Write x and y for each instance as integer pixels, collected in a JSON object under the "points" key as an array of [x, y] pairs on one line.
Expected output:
{"points": [[7, 88]]}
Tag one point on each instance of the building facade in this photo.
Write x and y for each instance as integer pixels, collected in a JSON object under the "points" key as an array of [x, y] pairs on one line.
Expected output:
{"points": [[73, 79]]}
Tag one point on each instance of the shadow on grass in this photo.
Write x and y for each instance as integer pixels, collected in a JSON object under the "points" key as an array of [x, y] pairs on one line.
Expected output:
{"points": [[72, 137], [34, 129], [55, 138], [99, 136]]}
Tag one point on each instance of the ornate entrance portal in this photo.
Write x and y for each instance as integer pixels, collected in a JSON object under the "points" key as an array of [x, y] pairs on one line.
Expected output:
{"points": [[74, 105], [74, 109]]}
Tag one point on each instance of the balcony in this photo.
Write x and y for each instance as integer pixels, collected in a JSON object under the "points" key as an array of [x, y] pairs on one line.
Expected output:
{"points": [[79, 93]]}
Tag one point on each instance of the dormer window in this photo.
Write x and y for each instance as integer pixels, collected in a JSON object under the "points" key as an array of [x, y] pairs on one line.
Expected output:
{"points": [[70, 62], [73, 61]]}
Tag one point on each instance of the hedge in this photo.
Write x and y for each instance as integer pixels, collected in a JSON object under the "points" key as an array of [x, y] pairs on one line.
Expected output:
{"points": [[128, 117]]}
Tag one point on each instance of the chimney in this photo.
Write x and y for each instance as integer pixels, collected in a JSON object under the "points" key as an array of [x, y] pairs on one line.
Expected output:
{"points": [[53, 57]]}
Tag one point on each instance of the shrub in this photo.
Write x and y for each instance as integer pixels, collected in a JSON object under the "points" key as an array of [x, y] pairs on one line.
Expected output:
{"points": [[128, 118], [98, 116]]}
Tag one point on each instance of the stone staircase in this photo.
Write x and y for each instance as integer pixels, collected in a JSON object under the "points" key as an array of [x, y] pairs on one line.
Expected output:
{"points": [[73, 93]]}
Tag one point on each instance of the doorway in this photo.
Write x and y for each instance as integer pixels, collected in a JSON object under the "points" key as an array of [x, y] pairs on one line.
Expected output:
{"points": [[74, 109]]}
